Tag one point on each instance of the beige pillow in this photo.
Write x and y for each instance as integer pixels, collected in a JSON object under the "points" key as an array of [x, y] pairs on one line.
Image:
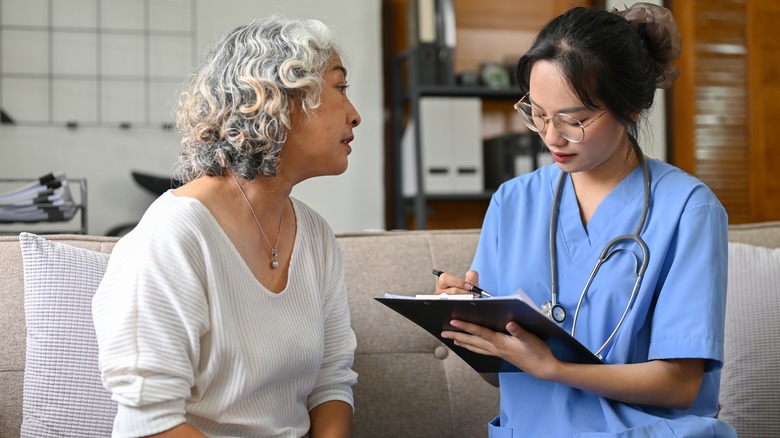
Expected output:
{"points": [[63, 393], [750, 380]]}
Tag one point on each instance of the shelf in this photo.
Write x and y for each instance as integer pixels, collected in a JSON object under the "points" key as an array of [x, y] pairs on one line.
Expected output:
{"points": [[52, 226], [425, 69], [410, 97], [486, 93], [483, 196]]}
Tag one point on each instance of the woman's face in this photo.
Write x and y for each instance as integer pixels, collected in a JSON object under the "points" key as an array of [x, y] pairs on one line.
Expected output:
{"points": [[605, 146], [318, 142]]}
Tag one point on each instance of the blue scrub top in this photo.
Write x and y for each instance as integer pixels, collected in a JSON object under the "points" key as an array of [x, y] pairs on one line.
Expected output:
{"points": [[678, 313]]}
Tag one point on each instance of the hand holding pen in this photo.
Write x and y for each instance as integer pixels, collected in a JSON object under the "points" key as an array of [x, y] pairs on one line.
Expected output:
{"points": [[467, 286]]}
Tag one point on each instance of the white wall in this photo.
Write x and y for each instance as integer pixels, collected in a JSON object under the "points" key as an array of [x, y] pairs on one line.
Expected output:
{"points": [[105, 156]]}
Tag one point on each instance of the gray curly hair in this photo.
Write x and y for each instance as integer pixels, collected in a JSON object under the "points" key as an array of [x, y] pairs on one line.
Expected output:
{"points": [[234, 111]]}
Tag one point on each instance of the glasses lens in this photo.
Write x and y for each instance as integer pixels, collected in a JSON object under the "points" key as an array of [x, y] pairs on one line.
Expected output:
{"points": [[570, 128], [532, 119]]}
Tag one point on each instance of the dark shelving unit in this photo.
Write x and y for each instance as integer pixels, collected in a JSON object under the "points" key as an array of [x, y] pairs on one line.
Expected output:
{"points": [[409, 94]]}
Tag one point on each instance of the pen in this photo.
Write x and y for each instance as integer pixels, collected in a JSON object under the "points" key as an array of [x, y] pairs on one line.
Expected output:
{"points": [[474, 289]]}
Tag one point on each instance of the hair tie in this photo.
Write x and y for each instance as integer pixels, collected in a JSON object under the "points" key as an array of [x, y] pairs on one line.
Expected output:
{"points": [[663, 38]]}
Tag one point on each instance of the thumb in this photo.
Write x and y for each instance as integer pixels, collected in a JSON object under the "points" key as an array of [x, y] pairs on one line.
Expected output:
{"points": [[472, 277]]}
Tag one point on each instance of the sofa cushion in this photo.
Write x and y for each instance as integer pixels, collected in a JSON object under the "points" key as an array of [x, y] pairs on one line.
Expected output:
{"points": [[749, 394], [403, 370], [62, 394]]}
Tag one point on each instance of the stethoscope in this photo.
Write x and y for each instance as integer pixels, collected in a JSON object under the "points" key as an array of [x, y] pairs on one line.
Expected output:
{"points": [[552, 308]]}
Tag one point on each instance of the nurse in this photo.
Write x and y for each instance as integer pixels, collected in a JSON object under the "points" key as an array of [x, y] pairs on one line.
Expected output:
{"points": [[588, 79]]}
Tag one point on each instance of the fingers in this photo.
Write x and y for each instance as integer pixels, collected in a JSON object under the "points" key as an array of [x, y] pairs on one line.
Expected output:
{"points": [[475, 348], [472, 277], [474, 329], [514, 329], [472, 339], [450, 284], [520, 347]]}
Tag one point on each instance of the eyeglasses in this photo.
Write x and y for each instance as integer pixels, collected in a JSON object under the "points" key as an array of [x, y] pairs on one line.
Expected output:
{"points": [[570, 128]]}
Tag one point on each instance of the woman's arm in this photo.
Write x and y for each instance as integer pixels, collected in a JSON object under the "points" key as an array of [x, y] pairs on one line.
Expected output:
{"points": [[181, 431], [330, 403], [331, 419], [670, 383]]}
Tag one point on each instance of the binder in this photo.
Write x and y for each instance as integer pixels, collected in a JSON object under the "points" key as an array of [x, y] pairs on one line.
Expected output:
{"points": [[431, 37], [434, 315], [450, 147], [421, 22], [509, 155]]}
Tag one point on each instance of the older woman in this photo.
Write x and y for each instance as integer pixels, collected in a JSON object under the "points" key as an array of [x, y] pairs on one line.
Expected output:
{"points": [[224, 312]]}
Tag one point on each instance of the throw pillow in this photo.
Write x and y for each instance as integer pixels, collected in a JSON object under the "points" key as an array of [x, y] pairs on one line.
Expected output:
{"points": [[750, 388], [63, 395]]}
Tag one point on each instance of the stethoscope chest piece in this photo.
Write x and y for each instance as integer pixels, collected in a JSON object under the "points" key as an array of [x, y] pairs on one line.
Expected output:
{"points": [[555, 312]]}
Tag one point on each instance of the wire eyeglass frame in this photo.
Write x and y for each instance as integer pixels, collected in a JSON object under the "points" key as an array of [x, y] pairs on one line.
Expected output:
{"points": [[524, 109]]}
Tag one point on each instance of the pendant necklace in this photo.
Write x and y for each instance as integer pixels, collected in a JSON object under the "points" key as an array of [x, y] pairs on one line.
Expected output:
{"points": [[275, 247]]}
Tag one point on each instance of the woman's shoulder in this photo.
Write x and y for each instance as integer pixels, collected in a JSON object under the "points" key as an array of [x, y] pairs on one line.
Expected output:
{"points": [[679, 193], [170, 209], [669, 181], [173, 228], [171, 218]]}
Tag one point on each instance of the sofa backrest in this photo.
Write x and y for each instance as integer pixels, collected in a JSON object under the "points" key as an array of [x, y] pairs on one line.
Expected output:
{"points": [[766, 234], [409, 384]]}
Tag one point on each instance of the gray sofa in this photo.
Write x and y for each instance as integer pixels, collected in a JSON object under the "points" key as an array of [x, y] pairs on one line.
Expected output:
{"points": [[409, 384]]}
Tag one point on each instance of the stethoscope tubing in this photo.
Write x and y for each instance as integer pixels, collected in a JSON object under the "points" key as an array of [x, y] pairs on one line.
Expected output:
{"points": [[606, 253]]}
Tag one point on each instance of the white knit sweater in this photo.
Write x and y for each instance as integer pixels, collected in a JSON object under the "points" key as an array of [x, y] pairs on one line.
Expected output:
{"points": [[187, 333]]}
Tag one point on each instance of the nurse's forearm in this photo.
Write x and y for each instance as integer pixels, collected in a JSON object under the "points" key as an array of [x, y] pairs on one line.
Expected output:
{"points": [[670, 383]]}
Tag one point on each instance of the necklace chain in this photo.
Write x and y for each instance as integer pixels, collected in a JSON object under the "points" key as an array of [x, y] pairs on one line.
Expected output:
{"points": [[275, 247]]}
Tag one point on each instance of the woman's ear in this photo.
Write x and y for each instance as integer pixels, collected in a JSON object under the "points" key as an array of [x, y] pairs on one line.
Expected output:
{"points": [[634, 116]]}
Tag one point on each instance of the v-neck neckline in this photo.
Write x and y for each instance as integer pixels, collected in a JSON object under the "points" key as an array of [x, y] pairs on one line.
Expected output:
{"points": [[580, 238], [247, 270]]}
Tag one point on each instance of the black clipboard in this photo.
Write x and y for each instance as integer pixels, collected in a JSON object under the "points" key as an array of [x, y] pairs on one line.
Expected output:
{"points": [[434, 315]]}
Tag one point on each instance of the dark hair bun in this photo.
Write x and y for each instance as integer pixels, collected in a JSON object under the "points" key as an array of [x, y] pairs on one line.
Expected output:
{"points": [[657, 26]]}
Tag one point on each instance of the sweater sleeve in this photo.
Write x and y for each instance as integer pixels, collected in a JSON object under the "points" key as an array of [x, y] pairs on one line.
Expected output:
{"points": [[150, 312], [336, 377]]}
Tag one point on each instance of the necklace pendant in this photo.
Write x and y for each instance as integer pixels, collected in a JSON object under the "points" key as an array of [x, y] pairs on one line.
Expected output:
{"points": [[275, 248]]}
